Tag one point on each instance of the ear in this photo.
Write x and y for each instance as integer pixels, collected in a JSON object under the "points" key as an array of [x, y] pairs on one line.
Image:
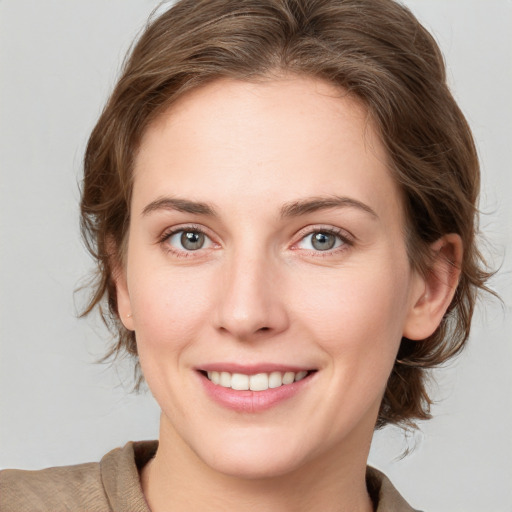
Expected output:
{"points": [[124, 308], [436, 290]]}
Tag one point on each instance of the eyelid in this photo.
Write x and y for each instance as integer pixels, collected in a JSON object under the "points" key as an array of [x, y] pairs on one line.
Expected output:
{"points": [[169, 231]]}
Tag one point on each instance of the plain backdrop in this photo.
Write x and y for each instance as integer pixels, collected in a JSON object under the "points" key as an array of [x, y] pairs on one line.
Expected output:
{"points": [[58, 62]]}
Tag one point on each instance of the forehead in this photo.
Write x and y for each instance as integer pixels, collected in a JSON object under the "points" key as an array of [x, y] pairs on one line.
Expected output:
{"points": [[278, 139]]}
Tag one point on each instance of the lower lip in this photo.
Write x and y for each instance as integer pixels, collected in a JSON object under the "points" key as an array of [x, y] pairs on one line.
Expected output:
{"points": [[252, 401]]}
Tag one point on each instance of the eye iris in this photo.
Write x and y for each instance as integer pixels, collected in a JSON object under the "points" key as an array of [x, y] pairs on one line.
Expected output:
{"points": [[323, 241], [192, 240]]}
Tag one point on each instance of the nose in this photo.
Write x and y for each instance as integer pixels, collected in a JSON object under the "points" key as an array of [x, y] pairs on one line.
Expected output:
{"points": [[252, 302]]}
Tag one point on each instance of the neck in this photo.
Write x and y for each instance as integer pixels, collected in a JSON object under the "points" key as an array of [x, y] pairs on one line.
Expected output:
{"points": [[177, 480]]}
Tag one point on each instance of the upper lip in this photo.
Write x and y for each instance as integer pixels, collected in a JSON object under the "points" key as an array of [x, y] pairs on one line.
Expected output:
{"points": [[252, 369]]}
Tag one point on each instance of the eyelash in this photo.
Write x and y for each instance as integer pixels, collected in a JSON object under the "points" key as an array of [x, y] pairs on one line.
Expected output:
{"points": [[346, 239], [183, 253]]}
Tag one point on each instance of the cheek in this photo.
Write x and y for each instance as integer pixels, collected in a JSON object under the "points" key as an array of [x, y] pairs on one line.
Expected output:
{"points": [[359, 312], [169, 309]]}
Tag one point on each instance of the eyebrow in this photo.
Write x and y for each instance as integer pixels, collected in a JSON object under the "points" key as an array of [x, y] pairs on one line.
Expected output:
{"points": [[313, 204], [180, 205], [292, 209]]}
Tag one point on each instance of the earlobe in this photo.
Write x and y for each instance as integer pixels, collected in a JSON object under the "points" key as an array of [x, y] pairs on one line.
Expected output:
{"points": [[435, 291]]}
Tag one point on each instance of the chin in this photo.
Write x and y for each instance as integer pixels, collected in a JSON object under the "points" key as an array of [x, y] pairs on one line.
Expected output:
{"points": [[252, 466], [252, 455]]}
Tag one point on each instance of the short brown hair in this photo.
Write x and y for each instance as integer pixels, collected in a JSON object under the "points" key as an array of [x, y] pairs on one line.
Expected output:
{"points": [[374, 49]]}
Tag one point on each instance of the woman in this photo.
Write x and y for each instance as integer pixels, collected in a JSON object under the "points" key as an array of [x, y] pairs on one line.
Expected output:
{"points": [[281, 199]]}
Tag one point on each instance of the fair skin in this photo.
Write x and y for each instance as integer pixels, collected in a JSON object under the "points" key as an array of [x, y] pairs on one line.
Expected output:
{"points": [[266, 235]]}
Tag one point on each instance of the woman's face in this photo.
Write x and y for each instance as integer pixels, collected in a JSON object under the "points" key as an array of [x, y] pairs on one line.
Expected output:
{"points": [[266, 246]]}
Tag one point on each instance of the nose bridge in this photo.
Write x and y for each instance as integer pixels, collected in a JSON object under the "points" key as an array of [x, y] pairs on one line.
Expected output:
{"points": [[249, 302]]}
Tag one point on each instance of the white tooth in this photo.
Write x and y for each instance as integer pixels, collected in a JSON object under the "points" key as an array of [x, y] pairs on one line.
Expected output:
{"points": [[275, 380], [239, 381], [225, 379], [209, 375], [300, 375], [288, 377], [214, 377], [258, 382]]}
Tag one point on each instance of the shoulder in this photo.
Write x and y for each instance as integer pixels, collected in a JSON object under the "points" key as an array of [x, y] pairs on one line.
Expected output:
{"points": [[109, 485], [68, 487], [384, 494]]}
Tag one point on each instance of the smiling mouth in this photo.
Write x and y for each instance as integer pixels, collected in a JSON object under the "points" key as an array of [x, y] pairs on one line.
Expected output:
{"points": [[256, 382]]}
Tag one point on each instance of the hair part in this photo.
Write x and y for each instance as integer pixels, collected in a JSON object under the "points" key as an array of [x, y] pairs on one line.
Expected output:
{"points": [[374, 49]]}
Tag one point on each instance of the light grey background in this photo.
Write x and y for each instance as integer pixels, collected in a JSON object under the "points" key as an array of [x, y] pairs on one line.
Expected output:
{"points": [[58, 62]]}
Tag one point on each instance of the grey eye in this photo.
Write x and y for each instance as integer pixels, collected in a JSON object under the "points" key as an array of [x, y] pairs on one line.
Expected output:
{"points": [[192, 240], [187, 240], [323, 241]]}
